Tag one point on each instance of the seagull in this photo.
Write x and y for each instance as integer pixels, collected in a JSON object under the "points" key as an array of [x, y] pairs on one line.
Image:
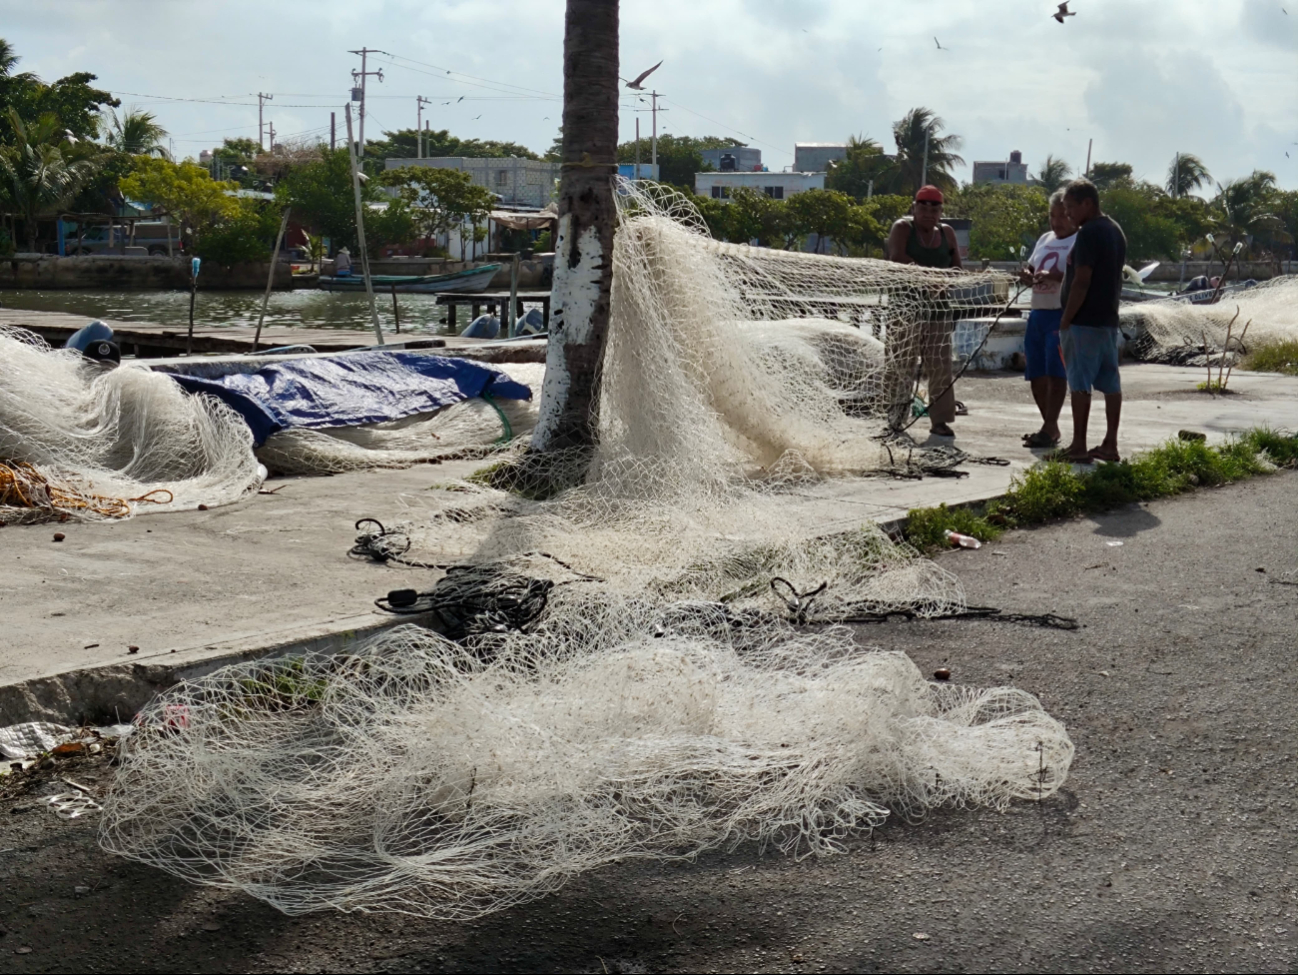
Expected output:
{"points": [[939, 45], [476, 117], [71, 138], [636, 84], [1063, 12], [460, 99]]}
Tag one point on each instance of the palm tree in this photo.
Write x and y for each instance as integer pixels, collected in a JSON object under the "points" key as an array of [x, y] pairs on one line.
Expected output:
{"points": [[862, 170], [137, 133], [37, 177], [1053, 173], [918, 127], [1244, 207], [1187, 172], [583, 269]]}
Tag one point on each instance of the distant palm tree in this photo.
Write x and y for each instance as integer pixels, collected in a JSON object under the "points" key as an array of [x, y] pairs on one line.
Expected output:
{"points": [[137, 133], [862, 170], [1186, 173], [1054, 173], [36, 176], [1244, 207], [909, 134]]}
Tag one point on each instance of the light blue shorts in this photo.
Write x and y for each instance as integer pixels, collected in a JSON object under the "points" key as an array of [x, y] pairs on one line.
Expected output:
{"points": [[1091, 358]]}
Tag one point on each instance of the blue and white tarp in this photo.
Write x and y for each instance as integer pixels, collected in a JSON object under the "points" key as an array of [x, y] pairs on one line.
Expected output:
{"points": [[352, 389]]}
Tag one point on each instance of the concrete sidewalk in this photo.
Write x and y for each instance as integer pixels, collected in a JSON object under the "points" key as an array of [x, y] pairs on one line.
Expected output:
{"points": [[193, 590]]}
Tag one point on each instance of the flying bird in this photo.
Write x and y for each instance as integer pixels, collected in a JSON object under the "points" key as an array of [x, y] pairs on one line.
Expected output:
{"points": [[939, 45], [476, 117], [460, 99], [637, 85], [1063, 12], [71, 138]]}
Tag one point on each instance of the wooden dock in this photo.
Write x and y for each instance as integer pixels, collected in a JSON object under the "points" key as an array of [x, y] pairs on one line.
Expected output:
{"points": [[150, 340]]}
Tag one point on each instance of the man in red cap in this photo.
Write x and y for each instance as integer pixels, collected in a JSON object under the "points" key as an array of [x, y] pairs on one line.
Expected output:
{"points": [[923, 239]]}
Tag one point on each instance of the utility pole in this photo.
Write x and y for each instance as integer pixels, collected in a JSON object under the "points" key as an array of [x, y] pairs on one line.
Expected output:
{"points": [[262, 99], [363, 74], [637, 148], [420, 102], [333, 131], [271, 127], [360, 226], [654, 159], [1089, 145], [923, 173]]}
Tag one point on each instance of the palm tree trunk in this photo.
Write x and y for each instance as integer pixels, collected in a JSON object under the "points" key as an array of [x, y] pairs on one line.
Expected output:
{"points": [[583, 266]]}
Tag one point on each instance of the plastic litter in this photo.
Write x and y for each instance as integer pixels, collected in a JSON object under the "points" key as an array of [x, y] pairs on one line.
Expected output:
{"points": [[962, 541]]}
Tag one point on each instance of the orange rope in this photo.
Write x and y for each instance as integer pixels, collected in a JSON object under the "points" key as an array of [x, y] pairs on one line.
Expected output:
{"points": [[23, 486]]}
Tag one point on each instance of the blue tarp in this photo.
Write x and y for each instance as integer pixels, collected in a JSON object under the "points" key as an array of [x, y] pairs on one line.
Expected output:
{"points": [[352, 389]]}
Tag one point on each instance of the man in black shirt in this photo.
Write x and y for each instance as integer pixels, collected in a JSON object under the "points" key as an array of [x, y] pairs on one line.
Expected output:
{"points": [[1088, 330]]}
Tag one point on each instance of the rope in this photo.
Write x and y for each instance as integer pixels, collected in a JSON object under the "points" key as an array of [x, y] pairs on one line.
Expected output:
{"points": [[1049, 621], [23, 486], [509, 430]]}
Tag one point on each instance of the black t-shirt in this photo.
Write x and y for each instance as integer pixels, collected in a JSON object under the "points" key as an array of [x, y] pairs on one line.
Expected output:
{"points": [[1101, 246]]}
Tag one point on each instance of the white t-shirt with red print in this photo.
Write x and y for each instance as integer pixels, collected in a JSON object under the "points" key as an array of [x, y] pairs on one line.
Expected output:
{"points": [[1050, 254]]}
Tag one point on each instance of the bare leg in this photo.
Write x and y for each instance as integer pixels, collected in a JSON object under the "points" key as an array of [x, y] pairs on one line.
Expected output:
{"points": [[1039, 393], [1108, 450], [1081, 415], [1055, 394]]}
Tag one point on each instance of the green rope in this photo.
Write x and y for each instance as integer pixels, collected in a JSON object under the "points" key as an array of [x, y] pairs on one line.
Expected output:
{"points": [[509, 431]]}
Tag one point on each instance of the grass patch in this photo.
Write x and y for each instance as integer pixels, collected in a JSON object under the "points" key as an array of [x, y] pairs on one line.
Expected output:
{"points": [[1054, 490], [1214, 387], [1274, 357]]}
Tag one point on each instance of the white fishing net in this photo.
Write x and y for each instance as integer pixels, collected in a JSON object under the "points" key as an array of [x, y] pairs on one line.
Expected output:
{"points": [[647, 664], [473, 428], [417, 776], [1177, 330], [109, 440]]}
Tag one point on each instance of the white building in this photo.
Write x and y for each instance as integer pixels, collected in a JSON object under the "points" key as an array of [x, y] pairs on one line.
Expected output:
{"points": [[518, 182], [1012, 170], [815, 157], [778, 186]]}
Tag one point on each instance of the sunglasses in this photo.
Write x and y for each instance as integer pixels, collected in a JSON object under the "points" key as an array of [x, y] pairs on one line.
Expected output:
{"points": [[927, 203]]}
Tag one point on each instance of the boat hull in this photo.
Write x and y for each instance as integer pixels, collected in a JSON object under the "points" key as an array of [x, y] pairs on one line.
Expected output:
{"points": [[471, 279]]}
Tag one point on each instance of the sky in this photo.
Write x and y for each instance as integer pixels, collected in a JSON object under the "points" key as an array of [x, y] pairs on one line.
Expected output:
{"points": [[1144, 79]]}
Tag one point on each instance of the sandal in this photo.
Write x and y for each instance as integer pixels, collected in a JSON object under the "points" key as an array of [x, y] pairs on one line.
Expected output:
{"points": [[1040, 439], [1097, 453], [942, 430]]}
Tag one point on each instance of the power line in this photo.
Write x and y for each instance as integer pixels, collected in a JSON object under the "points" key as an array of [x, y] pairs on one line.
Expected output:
{"points": [[490, 81]]}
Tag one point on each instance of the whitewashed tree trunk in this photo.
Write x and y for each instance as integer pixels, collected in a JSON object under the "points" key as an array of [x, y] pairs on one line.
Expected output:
{"points": [[583, 258]]}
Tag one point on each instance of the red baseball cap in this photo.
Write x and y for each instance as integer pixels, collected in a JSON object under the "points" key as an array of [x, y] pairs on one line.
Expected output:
{"points": [[930, 193]]}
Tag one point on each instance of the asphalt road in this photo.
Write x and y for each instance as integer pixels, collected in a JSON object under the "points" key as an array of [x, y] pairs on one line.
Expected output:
{"points": [[1171, 849]]}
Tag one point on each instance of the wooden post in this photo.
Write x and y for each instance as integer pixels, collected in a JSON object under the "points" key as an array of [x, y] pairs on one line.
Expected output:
{"points": [[511, 313], [451, 325], [193, 293], [270, 278], [360, 226], [396, 312]]}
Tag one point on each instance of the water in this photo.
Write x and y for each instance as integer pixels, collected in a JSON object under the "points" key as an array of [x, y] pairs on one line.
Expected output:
{"points": [[301, 308]]}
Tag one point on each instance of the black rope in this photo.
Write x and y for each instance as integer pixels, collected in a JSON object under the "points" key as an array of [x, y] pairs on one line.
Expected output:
{"points": [[1050, 621], [386, 545], [799, 603]]}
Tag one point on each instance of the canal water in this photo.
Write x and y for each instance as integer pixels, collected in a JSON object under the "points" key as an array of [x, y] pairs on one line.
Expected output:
{"points": [[305, 307]]}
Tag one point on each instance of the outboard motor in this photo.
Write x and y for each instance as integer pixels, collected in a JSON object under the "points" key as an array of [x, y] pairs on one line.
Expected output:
{"points": [[95, 342]]}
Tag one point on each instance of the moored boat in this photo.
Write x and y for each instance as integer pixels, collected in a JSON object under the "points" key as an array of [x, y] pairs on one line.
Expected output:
{"points": [[470, 279]]}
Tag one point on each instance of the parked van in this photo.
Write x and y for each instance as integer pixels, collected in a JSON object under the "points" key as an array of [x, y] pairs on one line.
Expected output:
{"points": [[101, 238]]}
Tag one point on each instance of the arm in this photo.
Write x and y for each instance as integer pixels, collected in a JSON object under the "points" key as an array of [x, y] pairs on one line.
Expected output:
{"points": [[948, 234], [898, 238], [1076, 294]]}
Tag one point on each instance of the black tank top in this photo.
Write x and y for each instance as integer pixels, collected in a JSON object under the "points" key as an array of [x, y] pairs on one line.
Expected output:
{"points": [[939, 256]]}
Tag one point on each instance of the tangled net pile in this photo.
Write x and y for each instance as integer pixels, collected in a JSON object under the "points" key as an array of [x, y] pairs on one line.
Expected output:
{"points": [[1176, 330], [106, 440], [473, 428], [416, 777], [638, 681]]}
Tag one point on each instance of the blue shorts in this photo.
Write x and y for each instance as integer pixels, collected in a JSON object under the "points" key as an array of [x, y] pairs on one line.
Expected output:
{"points": [[1091, 357], [1041, 344]]}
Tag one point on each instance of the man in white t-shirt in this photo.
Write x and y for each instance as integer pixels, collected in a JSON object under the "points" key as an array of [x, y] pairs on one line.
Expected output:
{"points": [[1045, 364]]}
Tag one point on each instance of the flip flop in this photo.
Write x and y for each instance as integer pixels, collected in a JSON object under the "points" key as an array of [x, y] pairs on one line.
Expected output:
{"points": [[1034, 441], [1095, 454]]}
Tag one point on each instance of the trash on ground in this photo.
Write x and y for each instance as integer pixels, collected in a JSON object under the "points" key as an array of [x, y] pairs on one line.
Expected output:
{"points": [[958, 540]]}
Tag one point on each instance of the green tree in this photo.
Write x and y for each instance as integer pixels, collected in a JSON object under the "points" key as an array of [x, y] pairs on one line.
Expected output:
{"points": [[39, 171], [862, 171], [404, 144], [186, 191], [245, 231], [1244, 208], [751, 215], [826, 213], [136, 133], [1285, 206], [439, 199], [1053, 174], [679, 156], [1104, 174], [909, 133], [320, 194], [1005, 217], [73, 101], [1185, 174], [1152, 233]]}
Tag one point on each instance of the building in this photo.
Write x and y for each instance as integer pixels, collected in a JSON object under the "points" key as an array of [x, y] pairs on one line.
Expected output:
{"points": [[518, 182], [778, 186], [745, 159], [815, 157], [1013, 170]]}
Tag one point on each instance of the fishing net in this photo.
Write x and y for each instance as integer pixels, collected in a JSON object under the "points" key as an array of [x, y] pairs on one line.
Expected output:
{"points": [[473, 428], [417, 776], [1182, 332], [645, 665], [106, 440]]}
